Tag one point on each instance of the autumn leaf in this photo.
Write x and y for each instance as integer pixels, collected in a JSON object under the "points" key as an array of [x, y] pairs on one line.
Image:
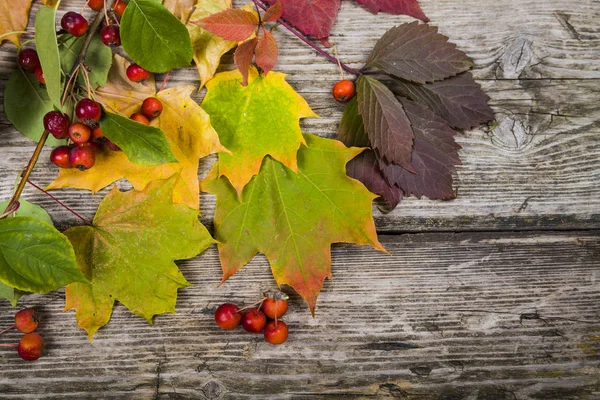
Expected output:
{"points": [[385, 121], [128, 254], [273, 13], [243, 58], [253, 121], [399, 7], [293, 218], [180, 8], [234, 24], [459, 99], [208, 47], [418, 53], [187, 129], [13, 17], [266, 51], [311, 17]]}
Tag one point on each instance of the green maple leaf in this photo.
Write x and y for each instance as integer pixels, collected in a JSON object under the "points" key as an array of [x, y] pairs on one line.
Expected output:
{"points": [[294, 218], [128, 254], [254, 121]]}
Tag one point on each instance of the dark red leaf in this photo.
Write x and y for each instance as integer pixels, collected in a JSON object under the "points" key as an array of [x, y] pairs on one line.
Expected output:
{"points": [[311, 17], [266, 51], [399, 7], [365, 168], [232, 24], [416, 52], [243, 58], [273, 13], [352, 131], [459, 99], [434, 158], [385, 121]]}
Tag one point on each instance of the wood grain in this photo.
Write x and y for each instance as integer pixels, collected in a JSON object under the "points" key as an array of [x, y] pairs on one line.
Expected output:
{"points": [[452, 316]]}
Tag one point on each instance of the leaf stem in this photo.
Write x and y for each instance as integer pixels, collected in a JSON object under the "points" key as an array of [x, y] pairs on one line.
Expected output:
{"points": [[38, 149], [60, 203], [7, 329], [311, 44]]}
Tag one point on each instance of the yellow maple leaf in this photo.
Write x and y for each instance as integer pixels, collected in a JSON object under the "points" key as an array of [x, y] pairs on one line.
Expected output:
{"points": [[187, 129], [180, 8], [209, 48], [13, 18]]}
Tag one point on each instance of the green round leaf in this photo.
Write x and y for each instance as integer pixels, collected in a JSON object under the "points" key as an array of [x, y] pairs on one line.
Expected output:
{"points": [[25, 104], [27, 209], [35, 257], [154, 38]]}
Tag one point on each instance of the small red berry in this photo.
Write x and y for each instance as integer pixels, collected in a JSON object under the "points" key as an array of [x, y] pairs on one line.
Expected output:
{"points": [[82, 157], [228, 316], [141, 118], [98, 135], [89, 112], [28, 59], [60, 157], [119, 7], [152, 107], [30, 347], [96, 5], [135, 73], [276, 332], [79, 133], [254, 320], [343, 91], [112, 146], [110, 35], [27, 320], [74, 23], [57, 124], [274, 307], [39, 75], [95, 146]]}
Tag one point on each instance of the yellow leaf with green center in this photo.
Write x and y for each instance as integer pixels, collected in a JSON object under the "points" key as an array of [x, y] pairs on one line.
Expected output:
{"points": [[294, 218], [189, 133], [128, 254], [255, 120], [209, 48]]}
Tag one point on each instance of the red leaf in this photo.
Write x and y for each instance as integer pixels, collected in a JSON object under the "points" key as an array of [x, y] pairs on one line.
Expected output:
{"points": [[266, 51], [459, 100], [418, 53], [399, 7], [243, 58], [385, 121], [311, 17], [434, 158], [273, 13], [232, 24]]}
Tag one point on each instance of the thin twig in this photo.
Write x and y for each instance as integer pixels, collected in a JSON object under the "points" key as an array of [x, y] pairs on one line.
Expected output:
{"points": [[7, 329], [60, 203], [308, 42]]}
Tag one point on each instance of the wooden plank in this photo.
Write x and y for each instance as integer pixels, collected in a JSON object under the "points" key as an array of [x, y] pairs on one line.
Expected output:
{"points": [[538, 169], [453, 316]]}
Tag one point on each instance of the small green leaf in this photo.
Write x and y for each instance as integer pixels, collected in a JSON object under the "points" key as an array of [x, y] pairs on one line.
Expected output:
{"points": [[47, 48], [154, 38], [143, 145], [98, 59], [25, 104], [27, 209], [35, 257], [10, 294]]}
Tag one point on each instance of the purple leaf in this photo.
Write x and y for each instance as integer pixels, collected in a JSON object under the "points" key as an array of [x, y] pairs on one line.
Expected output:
{"points": [[398, 7], [311, 17]]}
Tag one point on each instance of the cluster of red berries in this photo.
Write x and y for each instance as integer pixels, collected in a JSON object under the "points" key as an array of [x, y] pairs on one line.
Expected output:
{"points": [[31, 344], [254, 320], [76, 25]]}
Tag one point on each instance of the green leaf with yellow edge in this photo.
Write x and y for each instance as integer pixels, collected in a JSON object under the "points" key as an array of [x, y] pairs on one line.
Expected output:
{"points": [[93, 307], [254, 121], [187, 129], [129, 252], [208, 47], [294, 218]]}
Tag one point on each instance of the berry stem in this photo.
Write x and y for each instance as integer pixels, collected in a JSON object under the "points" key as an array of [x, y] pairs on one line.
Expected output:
{"points": [[311, 44], [164, 82], [60, 203], [38, 149], [9, 345], [252, 305], [7, 329]]}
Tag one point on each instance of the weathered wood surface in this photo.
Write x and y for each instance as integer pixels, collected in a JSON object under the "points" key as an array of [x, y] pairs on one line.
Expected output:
{"points": [[472, 315], [447, 316]]}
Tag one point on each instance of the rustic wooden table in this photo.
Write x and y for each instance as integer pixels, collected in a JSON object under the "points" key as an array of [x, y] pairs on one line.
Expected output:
{"points": [[494, 295]]}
